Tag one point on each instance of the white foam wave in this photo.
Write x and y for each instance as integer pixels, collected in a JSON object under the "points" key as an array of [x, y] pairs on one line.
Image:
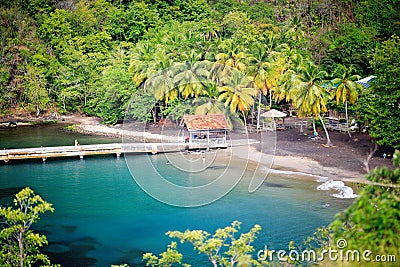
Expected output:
{"points": [[328, 184], [343, 190]]}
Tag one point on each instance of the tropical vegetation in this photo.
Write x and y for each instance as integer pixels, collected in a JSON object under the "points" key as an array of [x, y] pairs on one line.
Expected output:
{"points": [[150, 59], [96, 57], [19, 244]]}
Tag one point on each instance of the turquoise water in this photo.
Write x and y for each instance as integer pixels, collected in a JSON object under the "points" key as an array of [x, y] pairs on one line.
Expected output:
{"points": [[46, 135], [102, 217]]}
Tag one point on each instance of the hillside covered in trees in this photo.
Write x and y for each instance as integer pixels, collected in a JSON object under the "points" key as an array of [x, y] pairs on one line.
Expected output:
{"points": [[92, 56]]}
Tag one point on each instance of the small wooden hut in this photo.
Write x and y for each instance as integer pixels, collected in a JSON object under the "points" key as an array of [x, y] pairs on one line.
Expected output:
{"points": [[205, 131]]}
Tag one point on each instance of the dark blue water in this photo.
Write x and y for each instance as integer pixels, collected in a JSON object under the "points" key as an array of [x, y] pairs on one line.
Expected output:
{"points": [[102, 217]]}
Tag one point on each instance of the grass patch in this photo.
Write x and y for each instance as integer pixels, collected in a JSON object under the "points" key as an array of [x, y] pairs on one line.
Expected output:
{"points": [[71, 128]]}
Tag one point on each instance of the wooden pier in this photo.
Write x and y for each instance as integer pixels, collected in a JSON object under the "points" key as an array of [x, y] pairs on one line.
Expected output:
{"points": [[88, 150], [82, 151]]}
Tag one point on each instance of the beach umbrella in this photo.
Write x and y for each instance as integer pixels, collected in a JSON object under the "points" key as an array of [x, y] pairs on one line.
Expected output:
{"points": [[273, 113]]}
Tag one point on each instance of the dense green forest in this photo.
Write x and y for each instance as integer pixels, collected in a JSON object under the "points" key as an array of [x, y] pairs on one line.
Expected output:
{"points": [[92, 56], [95, 56]]}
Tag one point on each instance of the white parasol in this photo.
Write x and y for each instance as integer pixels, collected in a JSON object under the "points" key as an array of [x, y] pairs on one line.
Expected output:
{"points": [[273, 113]]}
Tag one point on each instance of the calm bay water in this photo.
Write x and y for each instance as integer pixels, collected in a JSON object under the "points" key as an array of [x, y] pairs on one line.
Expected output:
{"points": [[46, 135], [102, 217]]}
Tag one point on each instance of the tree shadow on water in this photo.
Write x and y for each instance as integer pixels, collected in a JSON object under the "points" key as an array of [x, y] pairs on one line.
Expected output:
{"points": [[72, 253], [7, 195], [133, 257]]}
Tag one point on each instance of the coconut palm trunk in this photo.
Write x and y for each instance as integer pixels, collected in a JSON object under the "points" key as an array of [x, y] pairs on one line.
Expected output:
{"points": [[313, 126], [252, 113], [270, 99], [259, 110], [245, 123], [328, 139], [347, 120]]}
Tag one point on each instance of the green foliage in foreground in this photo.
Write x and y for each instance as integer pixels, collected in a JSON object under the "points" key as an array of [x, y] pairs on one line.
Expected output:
{"points": [[373, 221], [19, 245], [222, 248]]}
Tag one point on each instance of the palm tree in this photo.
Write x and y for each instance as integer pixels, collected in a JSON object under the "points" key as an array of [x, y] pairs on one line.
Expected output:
{"points": [[292, 63], [189, 75], [209, 104], [285, 82], [273, 43], [234, 57], [292, 58], [285, 62], [294, 29], [345, 88], [263, 74], [141, 62], [309, 95], [238, 94], [161, 75]]}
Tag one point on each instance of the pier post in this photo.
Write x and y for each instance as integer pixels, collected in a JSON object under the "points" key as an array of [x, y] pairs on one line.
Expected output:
{"points": [[118, 155], [43, 152], [81, 156], [154, 149]]}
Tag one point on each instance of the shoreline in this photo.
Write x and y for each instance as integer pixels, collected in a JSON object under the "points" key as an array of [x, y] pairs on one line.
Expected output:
{"points": [[294, 163], [304, 168], [284, 160]]}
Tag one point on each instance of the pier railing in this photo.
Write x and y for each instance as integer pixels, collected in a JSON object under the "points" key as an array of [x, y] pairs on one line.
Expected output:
{"points": [[86, 150], [102, 149]]}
